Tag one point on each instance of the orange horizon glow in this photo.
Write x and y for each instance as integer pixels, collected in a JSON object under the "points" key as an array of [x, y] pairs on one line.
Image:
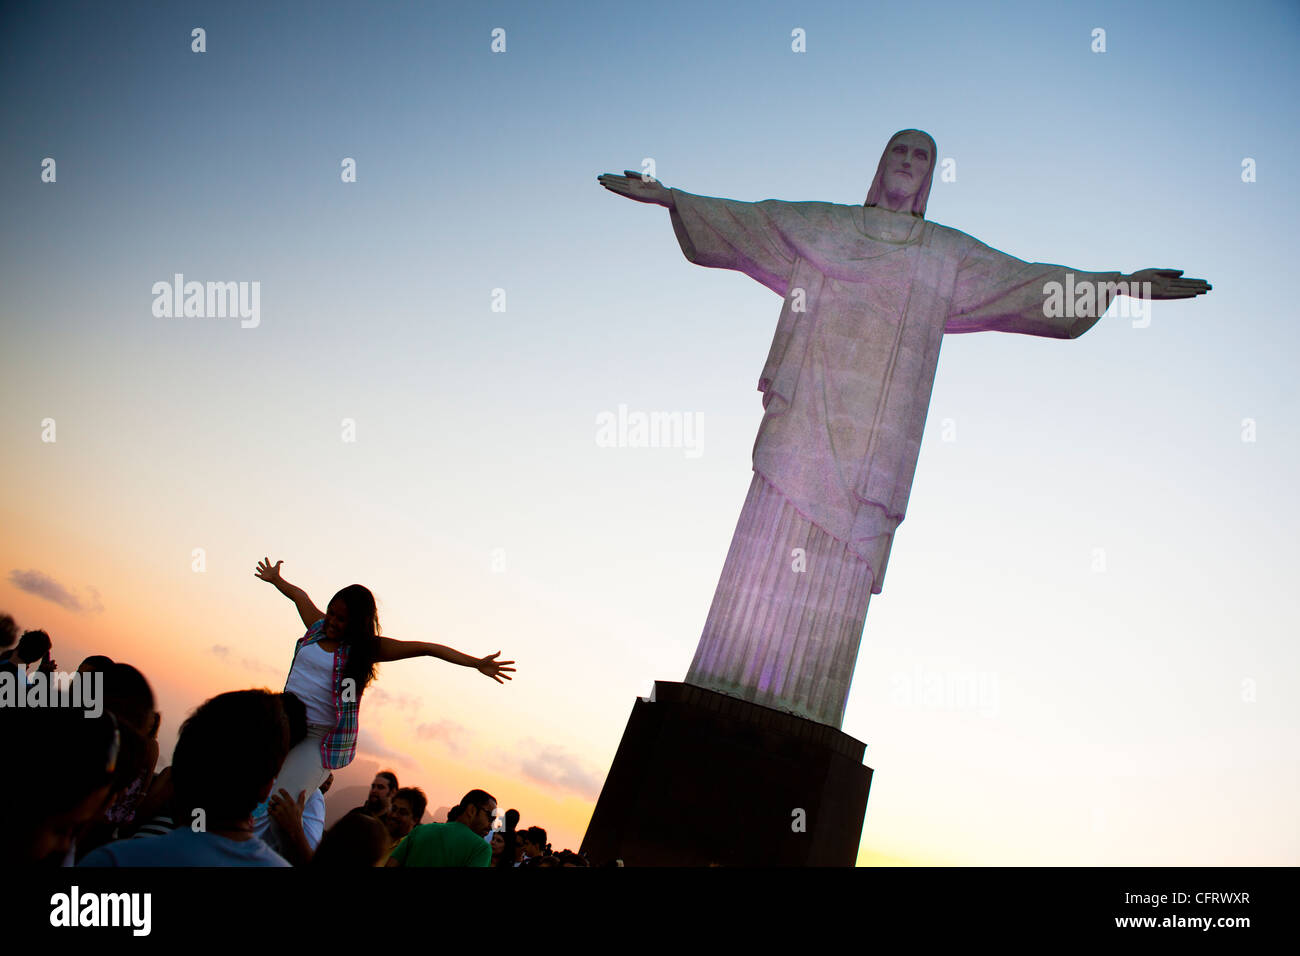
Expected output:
{"points": [[170, 643]]}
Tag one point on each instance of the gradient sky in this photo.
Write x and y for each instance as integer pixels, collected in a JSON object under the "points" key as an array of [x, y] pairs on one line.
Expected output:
{"points": [[1143, 714]]}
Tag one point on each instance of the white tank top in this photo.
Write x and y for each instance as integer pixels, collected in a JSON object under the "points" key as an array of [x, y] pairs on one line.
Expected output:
{"points": [[312, 679]]}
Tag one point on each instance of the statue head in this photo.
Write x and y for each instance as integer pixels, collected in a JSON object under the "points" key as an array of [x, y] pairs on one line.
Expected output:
{"points": [[905, 172]]}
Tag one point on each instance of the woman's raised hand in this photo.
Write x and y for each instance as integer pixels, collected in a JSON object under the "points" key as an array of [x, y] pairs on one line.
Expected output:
{"points": [[497, 670], [267, 572]]}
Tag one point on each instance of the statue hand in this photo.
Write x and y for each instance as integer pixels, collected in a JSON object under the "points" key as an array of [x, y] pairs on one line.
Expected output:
{"points": [[1166, 284], [631, 185]]}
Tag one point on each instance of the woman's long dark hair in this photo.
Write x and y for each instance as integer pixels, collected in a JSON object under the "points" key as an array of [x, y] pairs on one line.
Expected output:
{"points": [[361, 635]]}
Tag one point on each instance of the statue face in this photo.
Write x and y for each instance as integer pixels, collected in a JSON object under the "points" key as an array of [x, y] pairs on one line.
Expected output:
{"points": [[907, 164]]}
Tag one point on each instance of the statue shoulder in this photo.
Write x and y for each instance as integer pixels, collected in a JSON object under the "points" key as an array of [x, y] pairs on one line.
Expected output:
{"points": [[816, 216], [946, 232], [955, 235], [949, 238], [804, 207]]}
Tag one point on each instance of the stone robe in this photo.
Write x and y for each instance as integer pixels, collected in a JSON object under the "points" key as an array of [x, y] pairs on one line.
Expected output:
{"points": [[868, 295]]}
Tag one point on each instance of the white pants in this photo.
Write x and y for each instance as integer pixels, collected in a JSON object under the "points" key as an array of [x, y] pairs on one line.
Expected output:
{"points": [[302, 770]]}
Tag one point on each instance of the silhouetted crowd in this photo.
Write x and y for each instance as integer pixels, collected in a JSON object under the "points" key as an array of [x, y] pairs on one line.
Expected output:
{"points": [[81, 784]]}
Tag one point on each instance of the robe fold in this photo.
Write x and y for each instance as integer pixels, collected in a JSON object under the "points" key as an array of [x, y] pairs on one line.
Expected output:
{"points": [[846, 387]]}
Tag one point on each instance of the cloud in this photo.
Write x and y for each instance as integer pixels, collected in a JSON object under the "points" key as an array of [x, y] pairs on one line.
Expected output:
{"points": [[556, 767], [245, 663], [370, 743], [44, 586], [257, 667], [447, 731], [403, 702]]}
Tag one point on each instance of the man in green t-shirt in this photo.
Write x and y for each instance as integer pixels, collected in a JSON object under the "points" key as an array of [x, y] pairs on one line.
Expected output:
{"points": [[458, 843]]}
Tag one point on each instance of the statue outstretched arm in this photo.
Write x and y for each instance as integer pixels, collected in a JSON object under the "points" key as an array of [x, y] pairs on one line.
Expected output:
{"points": [[747, 237], [995, 292]]}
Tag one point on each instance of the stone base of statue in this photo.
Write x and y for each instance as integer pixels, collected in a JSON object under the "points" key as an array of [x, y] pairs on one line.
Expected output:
{"points": [[704, 779]]}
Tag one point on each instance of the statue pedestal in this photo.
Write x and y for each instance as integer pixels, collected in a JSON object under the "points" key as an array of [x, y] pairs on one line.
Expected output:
{"points": [[703, 779]]}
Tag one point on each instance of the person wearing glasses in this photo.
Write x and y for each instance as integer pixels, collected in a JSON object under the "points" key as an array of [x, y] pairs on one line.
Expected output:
{"points": [[459, 842]]}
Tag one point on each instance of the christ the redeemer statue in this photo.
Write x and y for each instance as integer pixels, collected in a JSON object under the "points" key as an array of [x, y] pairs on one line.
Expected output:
{"points": [[869, 293]]}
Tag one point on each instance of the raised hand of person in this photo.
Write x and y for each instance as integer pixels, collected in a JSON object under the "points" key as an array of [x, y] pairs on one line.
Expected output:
{"points": [[268, 572], [497, 670]]}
